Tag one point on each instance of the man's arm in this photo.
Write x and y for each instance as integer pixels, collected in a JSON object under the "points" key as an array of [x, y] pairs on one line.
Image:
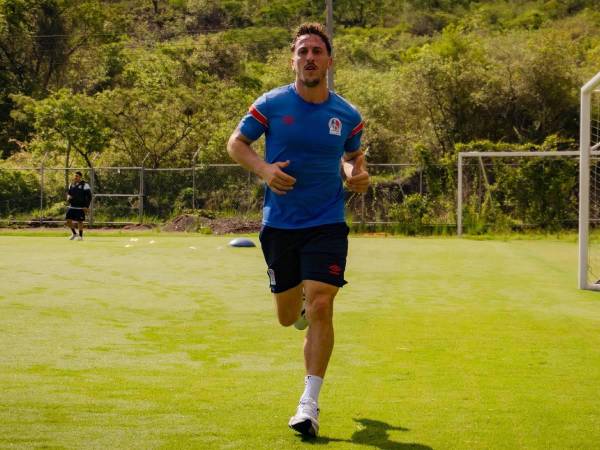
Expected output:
{"points": [[88, 196], [354, 171], [241, 152]]}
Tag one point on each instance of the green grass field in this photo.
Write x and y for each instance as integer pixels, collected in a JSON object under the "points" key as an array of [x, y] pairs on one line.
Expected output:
{"points": [[441, 343]]}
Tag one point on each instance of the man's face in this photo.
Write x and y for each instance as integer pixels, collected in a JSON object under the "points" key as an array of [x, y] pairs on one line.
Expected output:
{"points": [[77, 178], [310, 60]]}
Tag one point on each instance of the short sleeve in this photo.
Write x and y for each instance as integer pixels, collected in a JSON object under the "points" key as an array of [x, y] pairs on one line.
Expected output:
{"points": [[353, 141], [256, 121]]}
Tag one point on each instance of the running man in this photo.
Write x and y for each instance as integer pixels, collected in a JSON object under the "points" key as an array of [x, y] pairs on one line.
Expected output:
{"points": [[312, 146], [79, 197]]}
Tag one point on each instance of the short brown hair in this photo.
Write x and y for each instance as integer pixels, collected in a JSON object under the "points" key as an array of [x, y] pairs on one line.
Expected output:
{"points": [[312, 28]]}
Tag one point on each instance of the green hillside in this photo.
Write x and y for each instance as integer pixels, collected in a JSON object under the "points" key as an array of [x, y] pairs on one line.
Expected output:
{"points": [[120, 78], [109, 82]]}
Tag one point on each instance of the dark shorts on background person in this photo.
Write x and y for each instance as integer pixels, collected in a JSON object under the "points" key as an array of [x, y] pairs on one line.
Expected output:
{"points": [[75, 214], [315, 253]]}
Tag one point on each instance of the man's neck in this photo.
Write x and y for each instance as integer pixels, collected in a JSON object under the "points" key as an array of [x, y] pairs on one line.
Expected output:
{"points": [[317, 94]]}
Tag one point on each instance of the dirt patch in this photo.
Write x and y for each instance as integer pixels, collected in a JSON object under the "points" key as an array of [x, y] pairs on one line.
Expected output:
{"points": [[184, 222], [138, 227], [191, 223], [46, 222], [233, 225]]}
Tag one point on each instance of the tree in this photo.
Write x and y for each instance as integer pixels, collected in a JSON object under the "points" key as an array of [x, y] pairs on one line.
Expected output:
{"points": [[64, 123], [38, 38], [147, 124]]}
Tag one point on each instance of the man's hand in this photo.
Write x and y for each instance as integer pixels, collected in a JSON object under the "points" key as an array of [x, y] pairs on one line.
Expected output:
{"points": [[241, 152], [277, 180], [357, 177]]}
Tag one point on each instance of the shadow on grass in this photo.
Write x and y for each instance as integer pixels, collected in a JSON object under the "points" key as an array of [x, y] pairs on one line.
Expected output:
{"points": [[374, 433]]}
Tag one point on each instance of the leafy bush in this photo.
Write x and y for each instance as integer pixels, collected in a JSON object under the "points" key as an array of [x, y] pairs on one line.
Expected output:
{"points": [[19, 191], [411, 214]]}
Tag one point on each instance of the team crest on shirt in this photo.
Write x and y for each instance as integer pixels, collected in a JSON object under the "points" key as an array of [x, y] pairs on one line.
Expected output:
{"points": [[335, 126]]}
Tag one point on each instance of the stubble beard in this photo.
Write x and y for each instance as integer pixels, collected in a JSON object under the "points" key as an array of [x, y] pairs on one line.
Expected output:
{"points": [[314, 82], [311, 83]]}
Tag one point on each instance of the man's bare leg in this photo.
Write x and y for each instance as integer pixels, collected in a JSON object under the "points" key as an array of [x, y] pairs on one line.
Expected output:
{"points": [[318, 345], [319, 340], [289, 305], [69, 225]]}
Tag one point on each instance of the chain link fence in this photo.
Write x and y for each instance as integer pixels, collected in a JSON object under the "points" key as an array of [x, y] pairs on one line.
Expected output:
{"points": [[131, 195], [500, 195]]}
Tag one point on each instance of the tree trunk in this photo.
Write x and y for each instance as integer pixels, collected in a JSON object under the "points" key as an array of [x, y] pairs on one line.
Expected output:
{"points": [[89, 163], [67, 162]]}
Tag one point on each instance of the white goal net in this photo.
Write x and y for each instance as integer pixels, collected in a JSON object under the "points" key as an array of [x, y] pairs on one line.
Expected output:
{"points": [[513, 191], [589, 186]]}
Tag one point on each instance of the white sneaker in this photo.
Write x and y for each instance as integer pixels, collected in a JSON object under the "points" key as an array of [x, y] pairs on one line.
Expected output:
{"points": [[80, 238], [306, 419], [302, 321], [72, 238]]}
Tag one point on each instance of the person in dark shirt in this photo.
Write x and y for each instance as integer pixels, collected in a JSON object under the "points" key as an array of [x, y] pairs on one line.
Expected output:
{"points": [[79, 197]]}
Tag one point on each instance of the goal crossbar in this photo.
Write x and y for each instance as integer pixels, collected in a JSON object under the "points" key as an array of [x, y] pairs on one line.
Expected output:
{"points": [[523, 154]]}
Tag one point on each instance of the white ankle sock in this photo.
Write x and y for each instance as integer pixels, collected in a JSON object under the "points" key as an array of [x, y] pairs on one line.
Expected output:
{"points": [[312, 387]]}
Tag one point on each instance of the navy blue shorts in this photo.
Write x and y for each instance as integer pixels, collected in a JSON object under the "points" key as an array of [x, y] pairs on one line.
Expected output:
{"points": [[77, 215], [315, 253]]}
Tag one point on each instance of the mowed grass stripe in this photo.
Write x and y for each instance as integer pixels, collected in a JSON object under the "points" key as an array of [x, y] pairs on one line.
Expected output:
{"points": [[440, 343]]}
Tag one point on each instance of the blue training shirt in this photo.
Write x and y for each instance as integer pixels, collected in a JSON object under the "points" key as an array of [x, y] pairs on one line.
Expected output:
{"points": [[313, 137]]}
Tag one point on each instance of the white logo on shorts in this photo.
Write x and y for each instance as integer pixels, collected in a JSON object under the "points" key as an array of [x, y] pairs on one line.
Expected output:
{"points": [[271, 274]]}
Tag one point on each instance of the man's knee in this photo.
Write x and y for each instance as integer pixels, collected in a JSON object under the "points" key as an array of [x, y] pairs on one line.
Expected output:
{"points": [[319, 300], [286, 319], [320, 307], [289, 305]]}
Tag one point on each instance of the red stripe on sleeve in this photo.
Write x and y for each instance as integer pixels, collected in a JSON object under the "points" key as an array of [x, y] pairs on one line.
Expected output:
{"points": [[258, 116], [357, 129]]}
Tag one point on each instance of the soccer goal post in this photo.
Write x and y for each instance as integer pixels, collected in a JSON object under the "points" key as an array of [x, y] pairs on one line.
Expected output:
{"points": [[589, 185]]}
